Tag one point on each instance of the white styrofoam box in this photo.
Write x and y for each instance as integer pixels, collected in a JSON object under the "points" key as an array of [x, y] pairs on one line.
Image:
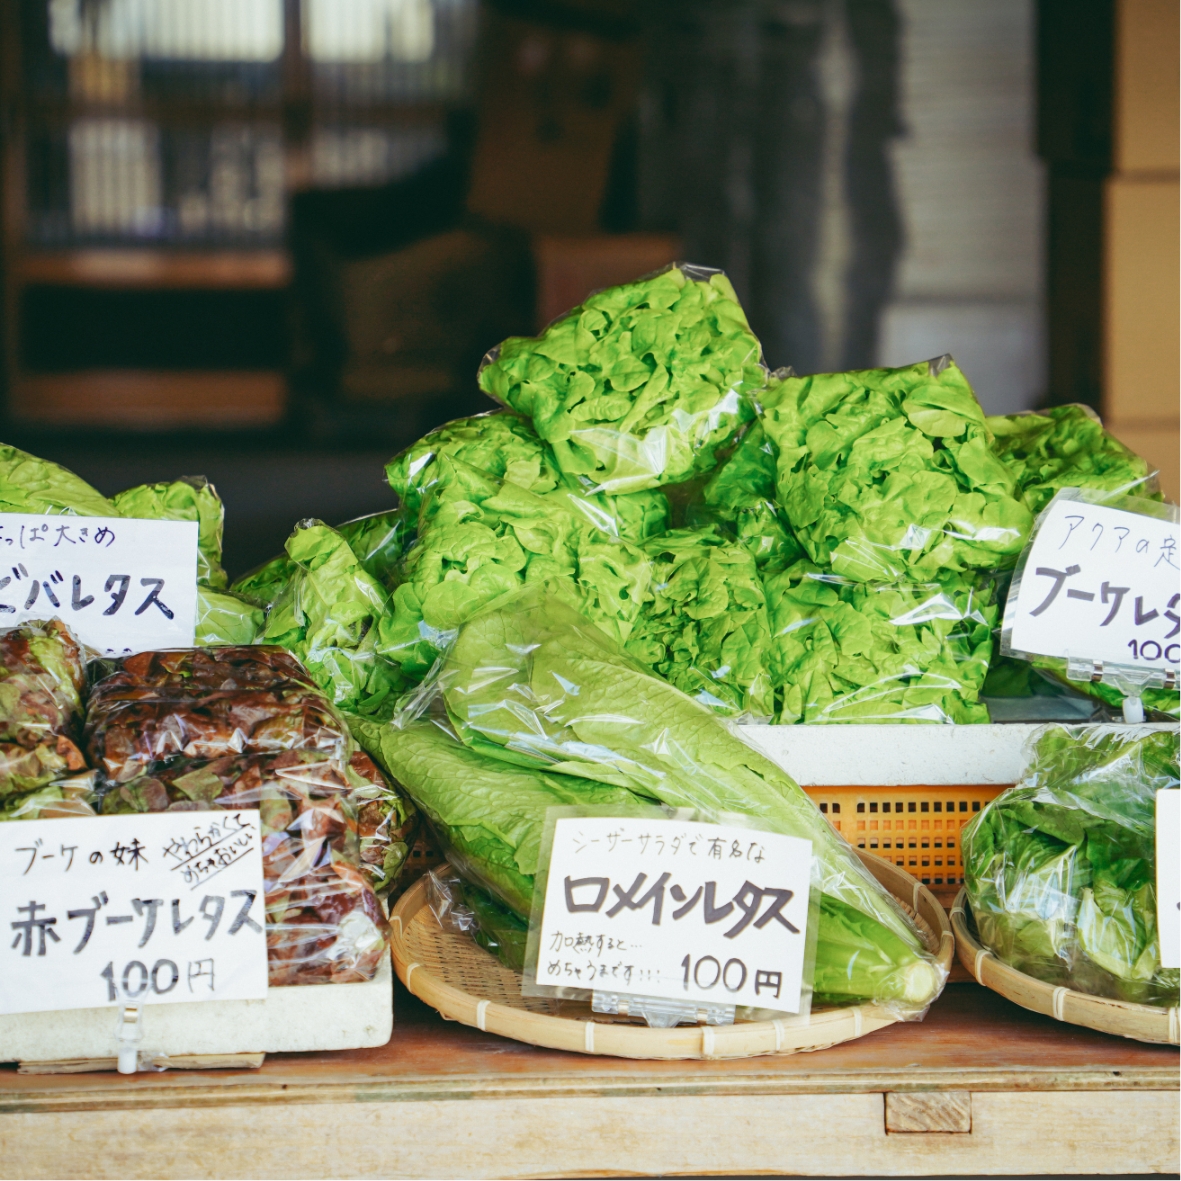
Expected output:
{"points": [[894, 756], [295, 1018]]}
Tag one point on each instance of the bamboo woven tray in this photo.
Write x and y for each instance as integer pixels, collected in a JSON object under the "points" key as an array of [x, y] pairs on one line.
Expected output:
{"points": [[465, 983], [1145, 1023]]}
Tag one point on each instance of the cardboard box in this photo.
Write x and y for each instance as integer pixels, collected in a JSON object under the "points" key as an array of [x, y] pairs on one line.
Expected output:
{"points": [[1146, 124], [1142, 309], [569, 268]]}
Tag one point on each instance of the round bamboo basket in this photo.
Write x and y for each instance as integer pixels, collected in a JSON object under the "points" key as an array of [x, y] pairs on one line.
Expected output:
{"points": [[1144, 1023], [449, 971]]}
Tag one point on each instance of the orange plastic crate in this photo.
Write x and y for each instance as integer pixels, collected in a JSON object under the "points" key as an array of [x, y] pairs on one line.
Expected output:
{"points": [[915, 827]]}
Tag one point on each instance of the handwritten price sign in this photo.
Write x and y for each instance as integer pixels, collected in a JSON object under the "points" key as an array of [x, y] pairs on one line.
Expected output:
{"points": [[156, 908], [1099, 584], [122, 585], [676, 909]]}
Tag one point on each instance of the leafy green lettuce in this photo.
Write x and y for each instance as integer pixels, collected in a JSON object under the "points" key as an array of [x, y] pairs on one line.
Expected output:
{"points": [[1060, 869], [328, 615], [534, 685], [489, 814], [191, 498], [742, 494], [640, 385], [1066, 447], [705, 628], [889, 474], [32, 485], [844, 651], [481, 538]]}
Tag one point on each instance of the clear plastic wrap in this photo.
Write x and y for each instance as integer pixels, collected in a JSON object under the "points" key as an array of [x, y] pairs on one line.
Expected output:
{"points": [[1060, 870], [1067, 447], [481, 538], [42, 676], [705, 627], [207, 729], [498, 442], [226, 620], [29, 484], [460, 906], [206, 703], [639, 386], [378, 541], [532, 684], [888, 475], [323, 920], [328, 615], [845, 651], [1117, 682], [74, 795], [191, 498]]}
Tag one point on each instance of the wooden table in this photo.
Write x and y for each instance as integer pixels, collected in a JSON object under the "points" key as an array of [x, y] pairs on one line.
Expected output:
{"points": [[441, 1100]]}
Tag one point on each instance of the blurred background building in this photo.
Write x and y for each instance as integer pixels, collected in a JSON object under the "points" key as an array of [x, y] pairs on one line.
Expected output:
{"points": [[269, 240]]}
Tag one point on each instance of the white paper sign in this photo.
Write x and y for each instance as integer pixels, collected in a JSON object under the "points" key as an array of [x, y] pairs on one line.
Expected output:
{"points": [[123, 585], [1099, 584], [1168, 877], [676, 909], [154, 908]]}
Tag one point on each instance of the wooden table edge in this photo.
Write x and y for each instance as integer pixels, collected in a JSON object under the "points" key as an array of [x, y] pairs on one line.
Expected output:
{"points": [[239, 1091]]}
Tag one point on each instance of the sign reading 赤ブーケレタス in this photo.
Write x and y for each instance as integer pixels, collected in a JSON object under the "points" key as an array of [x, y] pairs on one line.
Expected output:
{"points": [[1168, 876], [1099, 583], [123, 585], [142, 909], [676, 909]]}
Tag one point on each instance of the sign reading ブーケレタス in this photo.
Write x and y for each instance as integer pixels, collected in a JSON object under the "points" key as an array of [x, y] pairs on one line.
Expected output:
{"points": [[123, 585], [676, 909], [1099, 584], [142, 909]]}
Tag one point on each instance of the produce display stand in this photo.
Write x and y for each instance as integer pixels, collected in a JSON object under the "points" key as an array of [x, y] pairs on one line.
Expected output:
{"points": [[980, 1087]]}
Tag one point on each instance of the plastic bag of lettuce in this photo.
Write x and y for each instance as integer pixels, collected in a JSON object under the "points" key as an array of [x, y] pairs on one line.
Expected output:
{"points": [[639, 386], [32, 485], [888, 475], [544, 708], [1060, 870], [846, 651]]}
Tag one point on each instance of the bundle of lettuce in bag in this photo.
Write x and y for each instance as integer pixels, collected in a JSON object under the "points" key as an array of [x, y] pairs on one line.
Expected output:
{"points": [[378, 542], [704, 629], [1060, 870], [210, 730], [889, 474], [42, 677], [1067, 447], [741, 494], [480, 538], [548, 707], [328, 614], [32, 485], [845, 651], [505, 446], [641, 385]]}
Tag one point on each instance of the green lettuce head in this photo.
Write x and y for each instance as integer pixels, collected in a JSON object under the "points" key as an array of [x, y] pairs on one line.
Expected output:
{"points": [[1067, 447], [328, 616], [705, 627], [1060, 870], [481, 538], [888, 475], [641, 385], [844, 651]]}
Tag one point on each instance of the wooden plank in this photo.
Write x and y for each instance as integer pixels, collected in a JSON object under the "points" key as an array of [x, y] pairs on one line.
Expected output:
{"points": [[171, 269], [929, 1111], [971, 1040], [841, 1135], [1146, 85], [144, 399]]}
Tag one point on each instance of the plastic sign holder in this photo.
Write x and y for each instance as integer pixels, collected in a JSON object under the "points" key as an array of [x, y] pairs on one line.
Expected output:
{"points": [[1096, 591]]}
